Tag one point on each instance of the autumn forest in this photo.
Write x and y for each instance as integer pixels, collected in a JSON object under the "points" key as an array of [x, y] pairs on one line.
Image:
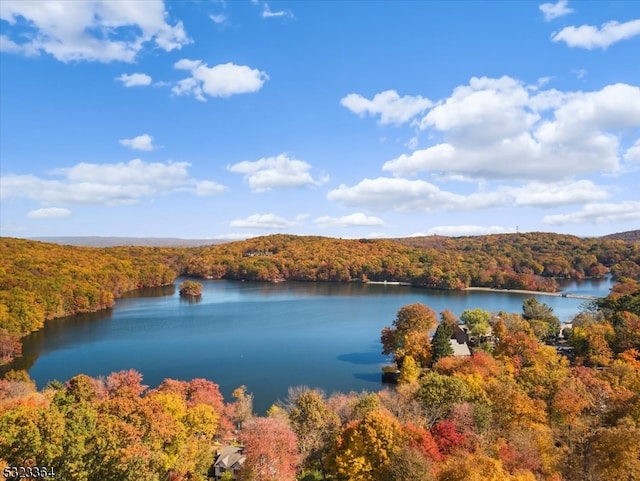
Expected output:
{"points": [[533, 401]]}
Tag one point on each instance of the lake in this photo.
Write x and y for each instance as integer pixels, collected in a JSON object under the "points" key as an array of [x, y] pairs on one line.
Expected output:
{"points": [[263, 335]]}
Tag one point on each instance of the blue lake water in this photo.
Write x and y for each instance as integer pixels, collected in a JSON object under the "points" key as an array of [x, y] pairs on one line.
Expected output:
{"points": [[265, 336]]}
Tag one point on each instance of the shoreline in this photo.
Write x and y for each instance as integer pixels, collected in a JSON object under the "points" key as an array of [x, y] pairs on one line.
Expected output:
{"points": [[533, 293]]}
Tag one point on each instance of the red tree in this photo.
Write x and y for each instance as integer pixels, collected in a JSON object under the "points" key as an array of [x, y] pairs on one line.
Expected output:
{"points": [[270, 449]]}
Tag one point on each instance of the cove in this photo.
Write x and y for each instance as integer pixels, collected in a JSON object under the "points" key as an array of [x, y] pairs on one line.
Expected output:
{"points": [[266, 336]]}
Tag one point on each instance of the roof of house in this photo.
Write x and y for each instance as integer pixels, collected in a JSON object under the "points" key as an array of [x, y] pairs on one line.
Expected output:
{"points": [[231, 457], [459, 348]]}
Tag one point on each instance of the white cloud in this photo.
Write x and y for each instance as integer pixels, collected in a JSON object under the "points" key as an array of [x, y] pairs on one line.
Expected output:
{"points": [[388, 194], [276, 172], [220, 18], [107, 184], [464, 230], [9, 46], [385, 194], [141, 142], [539, 194], [268, 13], [590, 36], [352, 220], [204, 188], [98, 30], [499, 129], [262, 221], [552, 11], [388, 104], [49, 213], [598, 214], [633, 153], [135, 79], [223, 80]]}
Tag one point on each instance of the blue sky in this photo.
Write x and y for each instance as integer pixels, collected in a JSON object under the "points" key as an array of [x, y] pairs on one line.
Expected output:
{"points": [[231, 119]]}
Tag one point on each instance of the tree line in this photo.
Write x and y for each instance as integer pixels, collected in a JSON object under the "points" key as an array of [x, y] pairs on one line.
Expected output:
{"points": [[41, 281]]}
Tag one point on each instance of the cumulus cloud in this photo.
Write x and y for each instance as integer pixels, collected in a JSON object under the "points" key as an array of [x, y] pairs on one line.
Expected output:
{"points": [[99, 30], [134, 79], [539, 194], [141, 142], [49, 213], [391, 108], [107, 184], [205, 188], [223, 80], [386, 194], [262, 221], [500, 129], [633, 153], [598, 214], [590, 36], [276, 172], [352, 220], [464, 230], [552, 11]]}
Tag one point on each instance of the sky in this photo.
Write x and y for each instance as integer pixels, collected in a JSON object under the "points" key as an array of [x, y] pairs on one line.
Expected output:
{"points": [[233, 119]]}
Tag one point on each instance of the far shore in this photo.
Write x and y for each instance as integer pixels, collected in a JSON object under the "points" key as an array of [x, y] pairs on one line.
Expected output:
{"points": [[494, 289], [533, 293]]}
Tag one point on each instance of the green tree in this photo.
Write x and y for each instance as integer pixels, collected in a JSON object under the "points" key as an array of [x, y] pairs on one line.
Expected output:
{"points": [[544, 322], [477, 320], [440, 344]]}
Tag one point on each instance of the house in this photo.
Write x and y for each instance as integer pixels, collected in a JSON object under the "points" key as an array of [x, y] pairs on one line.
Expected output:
{"points": [[459, 348], [229, 459]]}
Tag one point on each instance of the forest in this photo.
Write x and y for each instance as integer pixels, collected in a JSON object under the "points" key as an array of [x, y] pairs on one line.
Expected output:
{"points": [[515, 410], [41, 281]]}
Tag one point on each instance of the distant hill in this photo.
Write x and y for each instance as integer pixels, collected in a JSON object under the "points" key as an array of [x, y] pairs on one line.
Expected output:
{"points": [[628, 236], [98, 241]]}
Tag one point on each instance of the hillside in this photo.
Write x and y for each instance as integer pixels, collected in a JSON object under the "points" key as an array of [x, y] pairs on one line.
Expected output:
{"points": [[628, 236], [40, 281]]}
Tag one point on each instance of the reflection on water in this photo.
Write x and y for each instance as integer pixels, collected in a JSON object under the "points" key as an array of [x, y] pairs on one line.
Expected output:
{"points": [[160, 291], [266, 336]]}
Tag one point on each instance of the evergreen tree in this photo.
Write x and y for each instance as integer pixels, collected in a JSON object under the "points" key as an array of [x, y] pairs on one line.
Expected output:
{"points": [[440, 345]]}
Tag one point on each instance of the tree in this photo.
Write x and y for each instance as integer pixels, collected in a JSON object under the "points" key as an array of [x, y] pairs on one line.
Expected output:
{"points": [[270, 450], [409, 333], [190, 289], [438, 394], [409, 464], [548, 326], [440, 344], [242, 409], [365, 448], [10, 346], [477, 320], [314, 424], [409, 372]]}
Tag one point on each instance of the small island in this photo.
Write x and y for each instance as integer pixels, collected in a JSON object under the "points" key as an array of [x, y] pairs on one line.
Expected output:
{"points": [[190, 289]]}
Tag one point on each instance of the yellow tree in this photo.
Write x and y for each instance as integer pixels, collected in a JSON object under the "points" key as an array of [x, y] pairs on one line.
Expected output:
{"points": [[411, 328], [363, 451]]}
